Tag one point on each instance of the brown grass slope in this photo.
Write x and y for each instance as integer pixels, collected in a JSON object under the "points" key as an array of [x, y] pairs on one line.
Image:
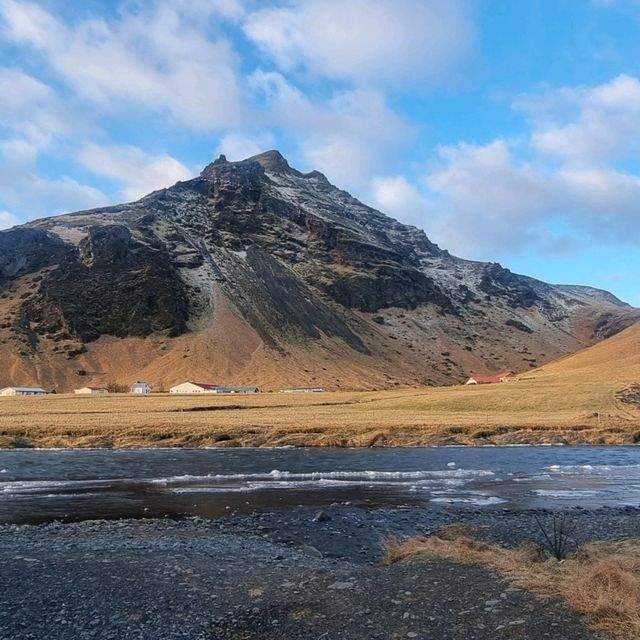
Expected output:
{"points": [[616, 359], [575, 400]]}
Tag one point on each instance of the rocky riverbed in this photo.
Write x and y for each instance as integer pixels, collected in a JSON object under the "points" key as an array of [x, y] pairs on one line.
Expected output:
{"points": [[285, 575]]}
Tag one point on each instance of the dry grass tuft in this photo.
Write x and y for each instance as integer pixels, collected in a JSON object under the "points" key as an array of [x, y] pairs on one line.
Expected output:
{"points": [[456, 530], [601, 581]]}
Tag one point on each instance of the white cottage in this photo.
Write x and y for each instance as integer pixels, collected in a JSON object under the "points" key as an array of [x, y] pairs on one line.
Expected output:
{"points": [[23, 391], [194, 387], [140, 387], [90, 391]]}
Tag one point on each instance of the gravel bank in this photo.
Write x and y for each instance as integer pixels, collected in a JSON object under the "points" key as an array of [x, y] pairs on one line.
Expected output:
{"points": [[273, 575]]}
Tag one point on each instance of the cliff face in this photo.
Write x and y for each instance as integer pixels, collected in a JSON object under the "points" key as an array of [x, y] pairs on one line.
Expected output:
{"points": [[254, 272]]}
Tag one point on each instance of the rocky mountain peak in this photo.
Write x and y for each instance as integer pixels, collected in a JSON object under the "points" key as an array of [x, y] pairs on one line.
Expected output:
{"points": [[295, 280], [272, 161]]}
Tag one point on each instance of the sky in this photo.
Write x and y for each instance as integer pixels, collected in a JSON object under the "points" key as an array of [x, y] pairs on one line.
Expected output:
{"points": [[508, 130]]}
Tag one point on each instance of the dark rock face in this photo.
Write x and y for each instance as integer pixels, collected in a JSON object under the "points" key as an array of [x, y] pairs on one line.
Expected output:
{"points": [[111, 286], [386, 287], [297, 258], [383, 271], [278, 301], [515, 290], [24, 250]]}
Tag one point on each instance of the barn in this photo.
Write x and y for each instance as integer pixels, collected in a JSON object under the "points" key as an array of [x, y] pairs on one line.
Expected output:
{"points": [[23, 391], [194, 387]]}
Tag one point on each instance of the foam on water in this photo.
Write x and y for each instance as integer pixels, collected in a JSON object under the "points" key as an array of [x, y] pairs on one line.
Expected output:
{"points": [[478, 501], [568, 494], [331, 475], [593, 469]]}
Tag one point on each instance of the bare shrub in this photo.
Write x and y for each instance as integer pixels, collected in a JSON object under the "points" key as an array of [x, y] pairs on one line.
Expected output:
{"points": [[557, 535]]}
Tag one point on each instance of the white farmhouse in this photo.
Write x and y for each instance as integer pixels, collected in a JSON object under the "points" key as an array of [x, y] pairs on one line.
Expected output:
{"points": [[22, 391], [194, 387], [140, 387], [90, 391]]}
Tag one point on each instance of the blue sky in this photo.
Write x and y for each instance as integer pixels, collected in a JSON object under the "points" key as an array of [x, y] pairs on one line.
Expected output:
{"points": [[508, 130]]}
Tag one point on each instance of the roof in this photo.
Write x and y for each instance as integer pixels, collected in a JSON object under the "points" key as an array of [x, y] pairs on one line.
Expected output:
{"points": [[249, 388], [140, 384], [492, 377], [26, 389], [203, 385]]}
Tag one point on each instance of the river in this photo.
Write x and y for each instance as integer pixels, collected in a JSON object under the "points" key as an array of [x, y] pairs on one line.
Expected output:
{"points": [[72, 485]]}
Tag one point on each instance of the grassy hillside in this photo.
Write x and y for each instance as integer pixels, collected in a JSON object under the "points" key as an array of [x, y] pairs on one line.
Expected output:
{"points": [[572, 400], [616, 359]]}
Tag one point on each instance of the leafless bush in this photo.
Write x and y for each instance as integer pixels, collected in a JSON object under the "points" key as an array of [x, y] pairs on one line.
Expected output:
{"points": [[557, 535]]}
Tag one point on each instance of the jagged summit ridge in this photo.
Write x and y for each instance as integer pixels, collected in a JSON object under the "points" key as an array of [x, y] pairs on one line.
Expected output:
{"points": [[278, 277], [271, 161]]}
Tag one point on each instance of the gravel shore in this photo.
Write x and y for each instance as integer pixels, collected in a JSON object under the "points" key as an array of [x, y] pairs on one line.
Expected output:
{"points": [[287, 575]]}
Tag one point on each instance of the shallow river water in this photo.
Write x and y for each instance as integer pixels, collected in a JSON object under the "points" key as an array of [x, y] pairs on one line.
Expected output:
{"points": [[70, 485]]}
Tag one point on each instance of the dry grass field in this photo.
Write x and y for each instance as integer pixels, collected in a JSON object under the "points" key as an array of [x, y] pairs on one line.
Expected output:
{"points": [[573, 400]]}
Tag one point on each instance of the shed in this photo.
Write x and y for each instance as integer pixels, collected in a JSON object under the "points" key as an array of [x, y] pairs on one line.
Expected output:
{"points": [[141, 388], [237, 390]]}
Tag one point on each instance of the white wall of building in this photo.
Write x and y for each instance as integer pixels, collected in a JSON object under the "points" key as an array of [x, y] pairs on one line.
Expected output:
{"points": [[189, 387]]}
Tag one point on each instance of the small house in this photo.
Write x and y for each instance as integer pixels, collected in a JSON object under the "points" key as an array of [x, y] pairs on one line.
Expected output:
{"points": [[91, 391], [237, 390], [502, 376], [23, 391], [141, 388], [194, 387]]}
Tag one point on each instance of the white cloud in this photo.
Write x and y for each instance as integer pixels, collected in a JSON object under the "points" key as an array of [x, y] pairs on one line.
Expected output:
{"points": [[8, 219], [566, 184], [485, 203], [371, 42], [396, 196], [161, 59], [587, 124], [239, 146], [31, 195], [139, 172], [350, 136], [19, 91], [35, 196], [34, 120], [32, 111]]}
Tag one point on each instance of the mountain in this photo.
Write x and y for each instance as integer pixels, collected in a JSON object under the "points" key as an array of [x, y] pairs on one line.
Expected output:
{"points": [[254, 272]]}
